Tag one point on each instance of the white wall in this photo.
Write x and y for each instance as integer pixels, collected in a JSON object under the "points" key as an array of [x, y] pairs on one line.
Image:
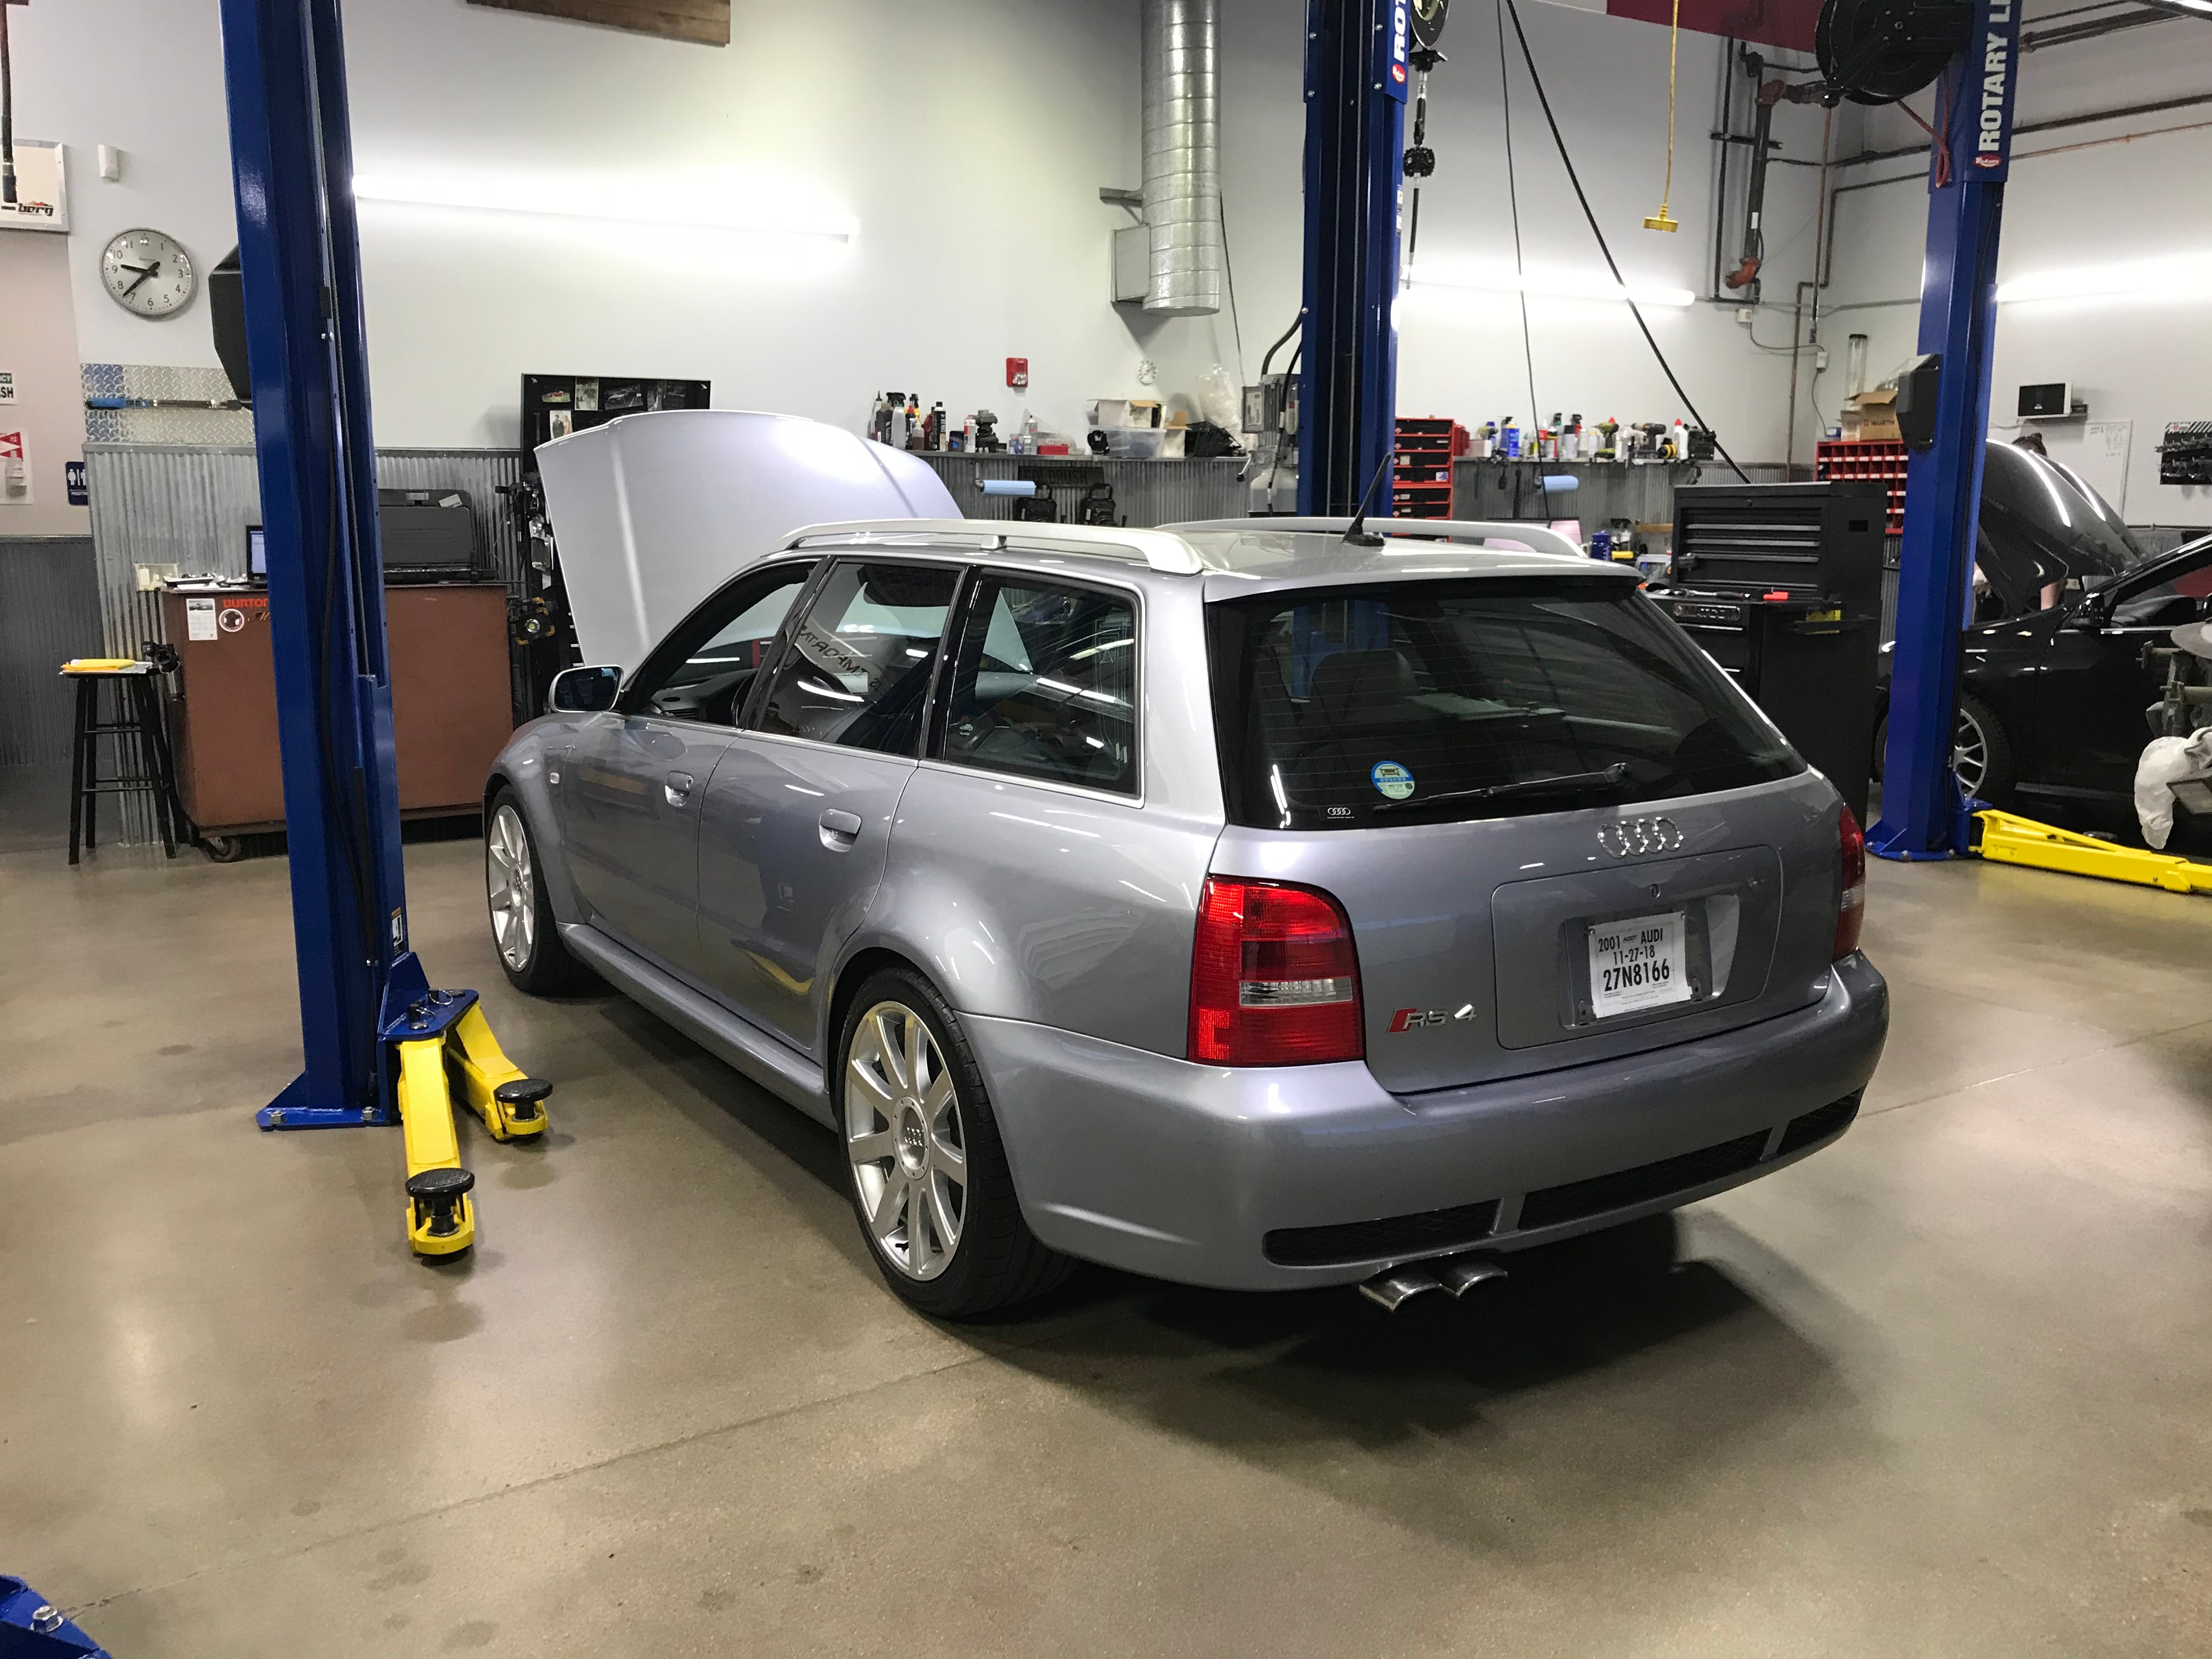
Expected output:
{"points": [[968, 140], [1461, 353], [38, 346], [2075, 200], [146, 76]]}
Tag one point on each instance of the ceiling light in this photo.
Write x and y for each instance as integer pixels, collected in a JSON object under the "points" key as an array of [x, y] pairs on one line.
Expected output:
{"points": [[2184, 277], [675, 204], [1547, 284]]}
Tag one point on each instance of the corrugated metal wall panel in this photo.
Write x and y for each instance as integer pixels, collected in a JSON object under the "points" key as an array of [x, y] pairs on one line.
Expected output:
{"points": [[187, 506], [1145, 493], [49, 613]]}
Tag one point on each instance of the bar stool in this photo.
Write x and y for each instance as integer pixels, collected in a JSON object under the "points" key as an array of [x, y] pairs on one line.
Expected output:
{"points": [[140, 750]]}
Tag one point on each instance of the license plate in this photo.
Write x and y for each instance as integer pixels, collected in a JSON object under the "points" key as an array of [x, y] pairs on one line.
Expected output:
{"points": [[1637, 962]]}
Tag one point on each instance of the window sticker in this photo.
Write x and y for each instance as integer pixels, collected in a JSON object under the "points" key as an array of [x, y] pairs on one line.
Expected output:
{"points": [[1392, 779]]}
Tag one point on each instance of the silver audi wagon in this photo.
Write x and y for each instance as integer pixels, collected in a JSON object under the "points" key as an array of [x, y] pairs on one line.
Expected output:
{"points": [[1258, 904]]}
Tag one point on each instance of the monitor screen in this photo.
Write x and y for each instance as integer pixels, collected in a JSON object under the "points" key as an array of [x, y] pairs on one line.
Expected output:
{"points": [[256, 553]]}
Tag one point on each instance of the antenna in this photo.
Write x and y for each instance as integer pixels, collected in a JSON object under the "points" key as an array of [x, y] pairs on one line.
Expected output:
{"points": [[1356, 534]]}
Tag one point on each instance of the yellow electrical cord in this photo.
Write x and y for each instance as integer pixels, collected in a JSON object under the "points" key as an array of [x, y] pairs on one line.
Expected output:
{"points": [[1663, 220]]}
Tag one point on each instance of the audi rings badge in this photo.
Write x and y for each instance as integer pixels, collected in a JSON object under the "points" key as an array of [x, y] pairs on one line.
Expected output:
{"points": [[1639, 837]]}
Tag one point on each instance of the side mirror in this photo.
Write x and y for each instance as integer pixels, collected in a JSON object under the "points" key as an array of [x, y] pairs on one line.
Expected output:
{"points": [[584, 691]]}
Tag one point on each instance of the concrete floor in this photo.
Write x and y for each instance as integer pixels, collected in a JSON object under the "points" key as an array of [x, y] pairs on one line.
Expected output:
{"points": [[1943, 1389]]}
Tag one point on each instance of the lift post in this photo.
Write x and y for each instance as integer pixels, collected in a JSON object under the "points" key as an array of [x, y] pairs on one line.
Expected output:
{"points": [[1357, 67], [375, 1037], [1923, 816], [284, 72]]}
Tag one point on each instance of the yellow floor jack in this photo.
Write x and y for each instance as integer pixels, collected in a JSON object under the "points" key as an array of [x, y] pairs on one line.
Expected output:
{"points": [[442, 1043], [2004, 839]]}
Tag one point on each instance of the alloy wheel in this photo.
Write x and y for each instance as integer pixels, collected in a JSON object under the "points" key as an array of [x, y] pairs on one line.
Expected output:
{"points": [[510, 889], [904, 1135], [1970, 754]]}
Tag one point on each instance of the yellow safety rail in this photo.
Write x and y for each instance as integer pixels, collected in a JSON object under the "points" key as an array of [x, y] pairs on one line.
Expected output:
{"points": [[2006, 839]]}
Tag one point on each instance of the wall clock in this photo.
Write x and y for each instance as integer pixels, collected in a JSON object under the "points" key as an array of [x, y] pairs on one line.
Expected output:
{"points": [[148, 273]]}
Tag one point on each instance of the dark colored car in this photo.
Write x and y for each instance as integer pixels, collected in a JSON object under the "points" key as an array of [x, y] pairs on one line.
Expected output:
{"points": [[2055, 671], [2052, 704]]}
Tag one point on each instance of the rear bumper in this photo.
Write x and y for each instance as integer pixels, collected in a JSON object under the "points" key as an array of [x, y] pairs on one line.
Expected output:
{"points": [[1184, 1171]]}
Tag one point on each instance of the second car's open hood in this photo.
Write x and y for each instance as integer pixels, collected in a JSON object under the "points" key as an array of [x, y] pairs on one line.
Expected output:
{"points": [[652, 512]]}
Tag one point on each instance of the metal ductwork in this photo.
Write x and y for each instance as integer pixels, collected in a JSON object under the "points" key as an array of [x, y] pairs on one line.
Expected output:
{"points": [[1182, 73]]}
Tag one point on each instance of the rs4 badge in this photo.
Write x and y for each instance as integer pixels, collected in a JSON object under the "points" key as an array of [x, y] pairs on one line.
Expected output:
{"points": [[1414, 1019]]}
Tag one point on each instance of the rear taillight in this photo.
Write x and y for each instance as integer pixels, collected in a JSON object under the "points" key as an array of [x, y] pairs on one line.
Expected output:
{"points": [[1274, 978], [1851, 902]]}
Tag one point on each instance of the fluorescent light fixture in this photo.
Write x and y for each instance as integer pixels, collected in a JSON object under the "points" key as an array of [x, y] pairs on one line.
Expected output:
{"points": [[2179, 277], [1547, 284], [673, 202]]}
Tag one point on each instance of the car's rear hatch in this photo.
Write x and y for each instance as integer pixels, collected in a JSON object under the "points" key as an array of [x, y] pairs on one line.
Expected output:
{"points": [[1575, 893]]}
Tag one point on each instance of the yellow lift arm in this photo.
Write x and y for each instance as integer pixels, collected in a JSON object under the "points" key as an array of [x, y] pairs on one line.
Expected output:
{"points": [[2005, 839], [442, 1041]]}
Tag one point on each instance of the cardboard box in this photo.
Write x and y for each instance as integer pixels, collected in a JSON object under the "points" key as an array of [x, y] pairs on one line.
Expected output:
{"points": [[1871, 417]]}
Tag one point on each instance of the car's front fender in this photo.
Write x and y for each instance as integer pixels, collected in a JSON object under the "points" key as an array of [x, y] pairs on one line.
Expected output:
{"points": [[529, 765]]}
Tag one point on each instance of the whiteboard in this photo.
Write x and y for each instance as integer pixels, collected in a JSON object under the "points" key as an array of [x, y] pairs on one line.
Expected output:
{"points": [[2098, 451]]}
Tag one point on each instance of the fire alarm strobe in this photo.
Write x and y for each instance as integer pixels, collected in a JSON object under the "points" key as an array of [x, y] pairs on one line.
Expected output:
{"points": [[1017, 373]]}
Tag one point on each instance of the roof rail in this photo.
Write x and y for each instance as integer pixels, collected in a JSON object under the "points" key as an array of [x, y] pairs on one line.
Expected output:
{"points": [[1154, 549], [1540, 538]]}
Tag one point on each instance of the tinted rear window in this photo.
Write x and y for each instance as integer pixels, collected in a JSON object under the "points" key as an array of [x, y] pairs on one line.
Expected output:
{"points": [[1424, 702]]}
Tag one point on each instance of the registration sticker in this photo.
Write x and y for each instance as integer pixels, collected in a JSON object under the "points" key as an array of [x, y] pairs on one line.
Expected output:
{"points": [[1392, 779], [1637, 962]]}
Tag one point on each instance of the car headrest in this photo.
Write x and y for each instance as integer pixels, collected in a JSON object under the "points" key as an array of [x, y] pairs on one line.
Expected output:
{"points": [[1351, 685]]}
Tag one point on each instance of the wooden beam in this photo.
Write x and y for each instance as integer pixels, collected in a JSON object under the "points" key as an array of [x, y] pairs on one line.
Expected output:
{"points": [[705, 22]]}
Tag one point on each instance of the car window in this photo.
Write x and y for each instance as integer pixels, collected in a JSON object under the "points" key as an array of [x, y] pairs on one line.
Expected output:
{"points": [[1424, 702], [2179, 594], [856, 671], [1045, 684], [706, 680]]}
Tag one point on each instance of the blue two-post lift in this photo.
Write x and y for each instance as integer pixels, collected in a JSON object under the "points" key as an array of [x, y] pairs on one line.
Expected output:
{"points": [[1357, 62], [1922, 815], [299, 253], [1356, 77], [379, 1044]]}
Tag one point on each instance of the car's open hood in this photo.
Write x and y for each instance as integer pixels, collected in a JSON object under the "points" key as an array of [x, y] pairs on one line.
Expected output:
{"points": [[653, 512]]}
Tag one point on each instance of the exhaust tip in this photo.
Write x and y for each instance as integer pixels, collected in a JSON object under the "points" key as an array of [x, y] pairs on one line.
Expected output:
{"points": [[1462, 1273], [1394, 1287]]}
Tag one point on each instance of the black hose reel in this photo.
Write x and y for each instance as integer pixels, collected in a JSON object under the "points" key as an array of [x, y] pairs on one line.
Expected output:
{"points": [[1876, 51]]}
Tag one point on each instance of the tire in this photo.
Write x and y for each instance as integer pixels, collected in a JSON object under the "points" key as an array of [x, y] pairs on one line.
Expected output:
{"points": [[523, 935], [1977, 719], [1978, 732], [933, 1154]]}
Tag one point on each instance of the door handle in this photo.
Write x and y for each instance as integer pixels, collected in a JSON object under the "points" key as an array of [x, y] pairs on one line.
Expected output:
{"points": [[840, 830], [678, 788]]}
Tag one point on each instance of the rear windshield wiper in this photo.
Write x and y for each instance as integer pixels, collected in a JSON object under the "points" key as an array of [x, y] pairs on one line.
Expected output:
{"points": [[1609, 774]]}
